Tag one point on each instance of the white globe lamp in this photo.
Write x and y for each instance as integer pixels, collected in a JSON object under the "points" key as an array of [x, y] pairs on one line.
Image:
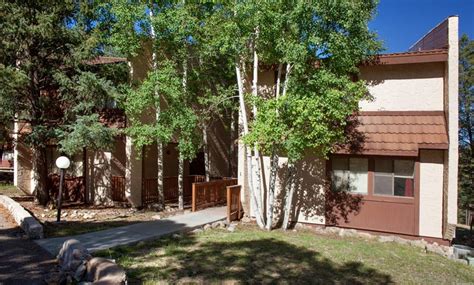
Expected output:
{"points": [[62, 163]]}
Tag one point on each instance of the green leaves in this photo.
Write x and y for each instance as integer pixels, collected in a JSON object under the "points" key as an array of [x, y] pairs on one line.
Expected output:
{"points": [[43, 78], [466, 122], [324, 43], [85, 131]]}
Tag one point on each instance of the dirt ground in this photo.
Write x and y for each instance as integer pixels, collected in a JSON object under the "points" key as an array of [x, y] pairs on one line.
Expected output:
{"points": [[79, 218], [21, 260]]}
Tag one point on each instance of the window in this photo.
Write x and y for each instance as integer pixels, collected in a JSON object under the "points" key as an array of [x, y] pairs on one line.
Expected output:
{"points": [[394, 177], [350, 174]]}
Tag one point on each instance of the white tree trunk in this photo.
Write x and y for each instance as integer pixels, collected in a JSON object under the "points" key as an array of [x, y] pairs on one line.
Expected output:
{"points": [[181, 182], [271, 189], [159, 146], [274, 165], [257, 168], [287, 76], [290, 189], [248, 151], [206, 152]]}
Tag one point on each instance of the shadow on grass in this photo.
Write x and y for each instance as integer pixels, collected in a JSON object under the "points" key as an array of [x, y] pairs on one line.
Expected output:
{"points": [[70, 228], [266, 260]]}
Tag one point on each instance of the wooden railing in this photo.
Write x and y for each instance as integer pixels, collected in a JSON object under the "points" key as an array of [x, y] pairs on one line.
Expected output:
{"points": [[150, 191], [170, 189], [208, 194], [234, 206], [118, 189], [74, 188]]}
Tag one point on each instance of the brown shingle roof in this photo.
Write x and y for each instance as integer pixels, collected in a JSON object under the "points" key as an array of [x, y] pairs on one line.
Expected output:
{"points": [[434, 55], [398, 133]]}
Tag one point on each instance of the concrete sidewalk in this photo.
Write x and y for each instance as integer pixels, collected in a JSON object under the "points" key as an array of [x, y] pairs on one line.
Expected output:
{"points": [[95, 241]]}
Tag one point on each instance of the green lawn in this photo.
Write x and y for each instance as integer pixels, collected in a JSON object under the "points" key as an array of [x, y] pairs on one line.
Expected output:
{"points": [[10, 190], [250, 255]]}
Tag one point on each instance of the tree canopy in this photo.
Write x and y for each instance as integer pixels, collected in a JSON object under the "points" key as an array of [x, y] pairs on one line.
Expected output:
{"points": [[466, 122], [46, 81]]}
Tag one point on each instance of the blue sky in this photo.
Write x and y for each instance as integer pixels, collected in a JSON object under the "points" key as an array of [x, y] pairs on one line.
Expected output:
{"points": [[400, 23]]}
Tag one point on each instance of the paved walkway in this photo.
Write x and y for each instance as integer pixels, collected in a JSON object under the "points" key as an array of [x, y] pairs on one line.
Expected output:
{"points": [[95, 241], [21, 260]]}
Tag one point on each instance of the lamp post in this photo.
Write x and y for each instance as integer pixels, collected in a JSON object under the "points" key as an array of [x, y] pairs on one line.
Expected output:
{"points": [[62, 163]]}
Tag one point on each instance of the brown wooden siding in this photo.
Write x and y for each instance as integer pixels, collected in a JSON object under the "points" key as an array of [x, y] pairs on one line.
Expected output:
{"points": [[391, 214]]}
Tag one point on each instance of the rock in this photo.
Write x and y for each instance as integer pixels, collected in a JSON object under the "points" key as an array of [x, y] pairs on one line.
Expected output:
{"points": [[435, 248], [386, 238], [207, 226], [300, 226], [417, 243], [347, 233], [72, 255], [177, 236], [80, 271], [157, 207], [55, 277], [196, 231], [401, 240], [64, 214], [218, 224], [231, 227], [104, 271], [320, 230], [156, 217], [365, 235], [332, 230], [246, 220], [463, 261], [43, 215]]}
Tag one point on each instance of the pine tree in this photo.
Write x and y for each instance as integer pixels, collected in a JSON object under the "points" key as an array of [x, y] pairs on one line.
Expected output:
{"points": [[466, 122], [46, 81]]}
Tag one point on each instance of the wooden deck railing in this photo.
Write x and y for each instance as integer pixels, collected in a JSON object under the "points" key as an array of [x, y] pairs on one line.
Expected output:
{"points": [[74, 188], [170, 189], [234, 206], [118, 189], [150, 191], [208, 194]]}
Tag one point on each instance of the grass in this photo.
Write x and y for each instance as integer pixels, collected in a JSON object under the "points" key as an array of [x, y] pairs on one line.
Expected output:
{"points": [[250, 255], [10, 190]]}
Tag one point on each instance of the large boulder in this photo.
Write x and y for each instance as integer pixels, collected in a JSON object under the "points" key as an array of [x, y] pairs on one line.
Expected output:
{"points": [[72, 259], [105, 271]]}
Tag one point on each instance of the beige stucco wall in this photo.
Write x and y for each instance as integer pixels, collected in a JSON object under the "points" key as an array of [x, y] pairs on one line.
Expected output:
{"points": [[23, 165], [119, 157], [452, 118], [431, 193], [220, 138], [404, 87]]}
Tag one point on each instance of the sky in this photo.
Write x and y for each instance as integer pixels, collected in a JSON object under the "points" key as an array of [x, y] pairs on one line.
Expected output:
{"points": [[400, 23]]}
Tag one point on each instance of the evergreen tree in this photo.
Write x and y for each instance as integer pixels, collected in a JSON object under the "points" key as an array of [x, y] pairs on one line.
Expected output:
{"points": [[466, 122], [46, 81]]}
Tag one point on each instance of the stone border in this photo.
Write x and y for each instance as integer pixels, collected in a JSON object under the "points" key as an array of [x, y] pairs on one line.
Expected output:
{"points": [[23, 218], [446, 251]]}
